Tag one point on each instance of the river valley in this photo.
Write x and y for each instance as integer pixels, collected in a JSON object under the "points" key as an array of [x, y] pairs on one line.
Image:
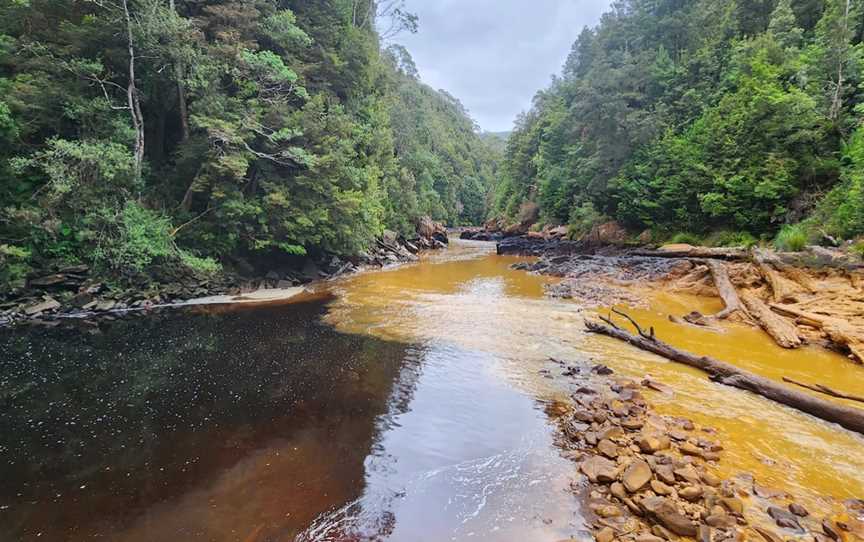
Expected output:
{"points": [[408, 404]]}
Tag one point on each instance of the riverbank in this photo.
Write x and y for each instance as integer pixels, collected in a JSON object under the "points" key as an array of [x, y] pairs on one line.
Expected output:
{"points": [[811, 297], [650, 478], [80, 292]]}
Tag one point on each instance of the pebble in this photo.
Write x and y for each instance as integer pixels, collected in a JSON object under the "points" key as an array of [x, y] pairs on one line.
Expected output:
{"points": [[783, 518], [733, 504], [798, 510], [687, 474], [660, 488], [691, 493]]}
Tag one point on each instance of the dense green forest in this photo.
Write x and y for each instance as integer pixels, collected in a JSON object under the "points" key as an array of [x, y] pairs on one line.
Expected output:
{"points": [[733, 119], [134, 132]]}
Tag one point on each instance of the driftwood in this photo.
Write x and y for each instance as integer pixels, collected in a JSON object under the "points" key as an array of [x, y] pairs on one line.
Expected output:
{"points": [[733, 305], [724, 373], [820, 388], [781, 288], [784, 332], [698, 253], [839, 331]]}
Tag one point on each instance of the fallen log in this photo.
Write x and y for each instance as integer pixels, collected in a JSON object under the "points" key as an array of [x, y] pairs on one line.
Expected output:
{"points": [[724, 373], [697, 252], [784, 332], [821, 388], [732, 302], [838, 331], [781, 288]]}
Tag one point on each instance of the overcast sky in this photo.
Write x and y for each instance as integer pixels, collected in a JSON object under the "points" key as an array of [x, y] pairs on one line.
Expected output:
{"points": [[495, 54]]}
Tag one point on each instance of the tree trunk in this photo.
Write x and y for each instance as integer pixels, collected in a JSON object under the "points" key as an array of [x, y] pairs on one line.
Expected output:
{"points": [[697, 252], [837, 330], [783, 331], [133, 97], [724, 373], [180, 75], [730, 298]]}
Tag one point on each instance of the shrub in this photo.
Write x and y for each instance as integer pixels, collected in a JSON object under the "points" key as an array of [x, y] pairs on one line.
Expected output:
{"points": [[858, 249], [13, 266], [728, 238], [583, 219], [205, 265], [685, 239], [133, 238], [791, 238]]}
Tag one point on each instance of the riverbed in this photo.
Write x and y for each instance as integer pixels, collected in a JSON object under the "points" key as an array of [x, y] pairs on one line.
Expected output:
{"points": [[403, 404]]}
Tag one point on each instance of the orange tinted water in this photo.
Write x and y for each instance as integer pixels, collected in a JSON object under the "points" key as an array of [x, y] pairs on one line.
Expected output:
{"points": [[474, 299]]}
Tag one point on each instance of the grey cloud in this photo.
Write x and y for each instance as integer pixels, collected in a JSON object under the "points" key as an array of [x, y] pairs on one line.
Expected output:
{"points": [[494, 55]]}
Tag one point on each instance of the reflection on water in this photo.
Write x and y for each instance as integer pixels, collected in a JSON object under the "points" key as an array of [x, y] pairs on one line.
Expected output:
{"points": [[469, 457], [187, 426]]}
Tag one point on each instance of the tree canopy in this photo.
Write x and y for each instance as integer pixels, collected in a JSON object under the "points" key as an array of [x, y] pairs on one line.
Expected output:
{"points": [[199, 130], [699, 116]]}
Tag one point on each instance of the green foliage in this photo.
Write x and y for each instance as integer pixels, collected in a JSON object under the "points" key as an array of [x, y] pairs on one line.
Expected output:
{"points": [[269, 128], [791, 238], [728, 238], [133, 238], [206, 266], [583, 218], [14, 266], [686, 239], [703, 116], [841, 212]]}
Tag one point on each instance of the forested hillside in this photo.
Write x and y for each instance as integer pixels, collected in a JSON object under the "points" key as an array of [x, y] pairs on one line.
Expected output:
{"points": [[142, 131], [738, 118]]}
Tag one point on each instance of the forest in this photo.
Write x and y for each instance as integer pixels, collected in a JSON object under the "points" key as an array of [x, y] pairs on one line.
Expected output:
{"points": [[194, 132], [726, 123]]}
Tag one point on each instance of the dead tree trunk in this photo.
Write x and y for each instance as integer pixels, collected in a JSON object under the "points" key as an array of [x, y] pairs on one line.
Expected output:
{"points": [[724, 373], [697, 252], [733, 305], [784, 332], [132, 96], [820, 388], [838, 331]]}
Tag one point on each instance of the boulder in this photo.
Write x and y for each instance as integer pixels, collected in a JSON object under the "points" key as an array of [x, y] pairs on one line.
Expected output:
{"points": [[48, 304], [608, 233], [606, 534], [599, 469], [428, 228], [636, 475]]}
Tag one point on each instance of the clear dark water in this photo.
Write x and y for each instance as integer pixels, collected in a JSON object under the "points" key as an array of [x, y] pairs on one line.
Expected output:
{"points": [[98, 426]]}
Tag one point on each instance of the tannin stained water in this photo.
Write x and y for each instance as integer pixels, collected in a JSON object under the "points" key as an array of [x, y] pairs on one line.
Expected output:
{"points": [[408, 406], [269, 424]]}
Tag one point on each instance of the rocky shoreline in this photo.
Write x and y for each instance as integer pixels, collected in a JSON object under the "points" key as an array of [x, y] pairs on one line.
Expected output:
{"points": [[652, 478], [76, 291]]}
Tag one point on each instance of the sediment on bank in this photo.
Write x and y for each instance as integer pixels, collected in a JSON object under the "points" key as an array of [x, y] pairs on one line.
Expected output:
{"points": [[815, 296], [80, 291]]}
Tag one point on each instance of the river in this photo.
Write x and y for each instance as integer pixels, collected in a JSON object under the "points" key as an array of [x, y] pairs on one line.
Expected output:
{"points": [[407, 404]]}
